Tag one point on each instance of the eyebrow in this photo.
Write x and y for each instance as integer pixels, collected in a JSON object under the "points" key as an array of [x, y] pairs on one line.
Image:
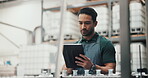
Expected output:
{"points": [[84, 21]]}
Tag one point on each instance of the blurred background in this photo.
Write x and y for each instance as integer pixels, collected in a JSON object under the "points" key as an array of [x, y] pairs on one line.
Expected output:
{"points": [[30, 33]]}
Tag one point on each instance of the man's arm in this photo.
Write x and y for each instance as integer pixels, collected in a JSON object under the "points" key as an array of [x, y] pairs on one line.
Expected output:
{"points": [[87, 64], [107, 66]]}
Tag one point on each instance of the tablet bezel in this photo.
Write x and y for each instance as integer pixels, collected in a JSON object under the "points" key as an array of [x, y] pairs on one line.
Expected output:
{"points": [[70, 51]]}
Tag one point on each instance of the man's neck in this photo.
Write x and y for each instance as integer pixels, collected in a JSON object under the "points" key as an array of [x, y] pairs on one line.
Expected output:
{"points": [[89, 37]]}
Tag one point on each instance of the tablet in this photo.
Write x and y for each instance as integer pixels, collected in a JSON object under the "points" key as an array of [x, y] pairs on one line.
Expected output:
{"points": [[70, 51]]}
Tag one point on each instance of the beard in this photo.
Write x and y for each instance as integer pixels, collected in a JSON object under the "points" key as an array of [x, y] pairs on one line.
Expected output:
{"points": [[85, 32]]}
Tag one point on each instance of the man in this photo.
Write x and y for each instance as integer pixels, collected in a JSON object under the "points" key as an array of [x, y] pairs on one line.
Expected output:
{"points": [[99, 52]]}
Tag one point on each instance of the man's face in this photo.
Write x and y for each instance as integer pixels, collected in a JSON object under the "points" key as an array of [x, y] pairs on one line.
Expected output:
{"points": [[86, 24]]}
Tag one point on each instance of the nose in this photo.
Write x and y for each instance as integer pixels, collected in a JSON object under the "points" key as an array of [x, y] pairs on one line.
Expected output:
{"points": [[83, 26]]}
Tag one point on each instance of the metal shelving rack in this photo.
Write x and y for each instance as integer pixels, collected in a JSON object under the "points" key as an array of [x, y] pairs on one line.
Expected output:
{"points": [[147, 30], [30, 33], [125, 38], [112, 38], [83, 5]]}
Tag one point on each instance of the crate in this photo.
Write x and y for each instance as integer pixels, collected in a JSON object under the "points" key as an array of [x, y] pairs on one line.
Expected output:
{"points": [[7, 71], [71, 36], [52, 37], [33, 58], [137, 30], [103, 33]]}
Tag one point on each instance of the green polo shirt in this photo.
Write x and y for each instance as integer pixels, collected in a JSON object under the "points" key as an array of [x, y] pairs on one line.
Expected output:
{"points": [[105, 47]]}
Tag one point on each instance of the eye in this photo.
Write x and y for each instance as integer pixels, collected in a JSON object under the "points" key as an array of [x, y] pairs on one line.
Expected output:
{"points": [[80, 23], [87, 23]]}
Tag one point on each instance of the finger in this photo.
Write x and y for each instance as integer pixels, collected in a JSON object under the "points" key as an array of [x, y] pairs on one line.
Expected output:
{"points": [[78, 58], [84, 57], [79, 63]]}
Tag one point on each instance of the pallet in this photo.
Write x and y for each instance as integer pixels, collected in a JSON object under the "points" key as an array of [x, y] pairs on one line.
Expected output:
{"points": [[66, 37], [137, 30], [132, 31], [103, 33], [115, 33]]}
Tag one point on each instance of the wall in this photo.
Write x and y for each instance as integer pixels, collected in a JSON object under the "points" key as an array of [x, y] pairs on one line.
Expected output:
{"points": [[23, 14]]}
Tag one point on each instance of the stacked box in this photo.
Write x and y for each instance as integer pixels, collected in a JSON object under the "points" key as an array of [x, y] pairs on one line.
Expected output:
{"points": [[135, 61], [118, 57], [33, 58], [6, 70], [137, 18], [135, 58], [52, 25], [70, 28], [116, 19], [103, 19]]}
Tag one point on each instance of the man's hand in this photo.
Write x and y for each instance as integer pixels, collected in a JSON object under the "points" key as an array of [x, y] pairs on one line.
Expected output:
{"points": [[84, 62]]}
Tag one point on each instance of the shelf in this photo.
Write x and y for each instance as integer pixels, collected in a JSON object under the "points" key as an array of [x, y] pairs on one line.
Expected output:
{"points": [[92, 3], [65, 41], [105, 76], [134, 38], [114, 39]]}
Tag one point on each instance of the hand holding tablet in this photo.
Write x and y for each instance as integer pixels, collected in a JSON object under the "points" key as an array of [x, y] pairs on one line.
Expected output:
{"points": [[70, 51]]}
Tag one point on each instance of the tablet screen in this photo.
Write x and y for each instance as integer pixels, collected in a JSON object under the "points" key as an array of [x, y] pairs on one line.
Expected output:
{"points": [[70, 51]]}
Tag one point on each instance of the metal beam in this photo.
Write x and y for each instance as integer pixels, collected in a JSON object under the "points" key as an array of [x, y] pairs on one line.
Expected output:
{"points": [[15, 26], [133, 39], [125, 39], [9, 40], [80, 5], [61, 40], [42, 31], [146, 2], [110, 19]]}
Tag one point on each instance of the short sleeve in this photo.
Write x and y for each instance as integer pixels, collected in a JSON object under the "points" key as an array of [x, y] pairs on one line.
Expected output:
{"points": [[108, 53]]}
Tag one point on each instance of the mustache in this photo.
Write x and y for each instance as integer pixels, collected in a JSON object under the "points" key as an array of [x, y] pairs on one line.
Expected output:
{"points": [[84, 30]]}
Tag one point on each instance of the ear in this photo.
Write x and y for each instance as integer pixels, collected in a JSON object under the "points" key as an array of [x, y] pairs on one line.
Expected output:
{"points": [[95, 23]]}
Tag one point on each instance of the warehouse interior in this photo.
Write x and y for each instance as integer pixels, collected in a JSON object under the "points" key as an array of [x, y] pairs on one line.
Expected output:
{"points": [[32, 34]]}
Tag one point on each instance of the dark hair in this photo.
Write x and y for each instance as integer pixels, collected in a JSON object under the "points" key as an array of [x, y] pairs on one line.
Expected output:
{"points": [[89, 11]]}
